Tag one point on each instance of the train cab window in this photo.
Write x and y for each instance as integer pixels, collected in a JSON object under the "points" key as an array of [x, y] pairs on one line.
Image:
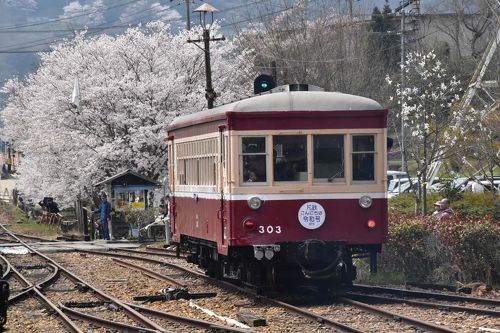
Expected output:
{"points": [[363, 157], [328, 157], [290, 158], [253, 159]]}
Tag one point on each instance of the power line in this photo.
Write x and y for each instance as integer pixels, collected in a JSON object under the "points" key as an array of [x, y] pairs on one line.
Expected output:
{"points": [[338, 60], [66, 18], [93, 30]]}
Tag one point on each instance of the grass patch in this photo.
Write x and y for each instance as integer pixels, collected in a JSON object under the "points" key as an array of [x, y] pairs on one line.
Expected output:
{"points": [[380, 278], [158, 244], [20, 223]]}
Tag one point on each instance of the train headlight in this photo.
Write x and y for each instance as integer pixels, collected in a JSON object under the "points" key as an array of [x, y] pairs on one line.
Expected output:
{"points": [[365, 201], [254, 203]]}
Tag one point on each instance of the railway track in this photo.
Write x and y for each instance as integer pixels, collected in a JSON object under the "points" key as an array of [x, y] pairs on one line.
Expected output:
{"points": [[61, 293], [322, 314], [337, 314], [6, 237]]}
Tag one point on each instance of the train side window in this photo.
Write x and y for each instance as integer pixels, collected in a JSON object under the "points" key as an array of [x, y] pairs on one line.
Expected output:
{"points": [[328, 157], [363, 157], [253, 159], [290, 158]]}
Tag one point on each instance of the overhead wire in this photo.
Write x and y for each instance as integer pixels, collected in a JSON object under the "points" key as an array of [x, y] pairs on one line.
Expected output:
{"points": [[17, 48], [2, 28]]}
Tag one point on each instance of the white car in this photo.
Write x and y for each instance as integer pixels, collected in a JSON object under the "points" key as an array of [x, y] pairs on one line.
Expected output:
{"points": [[395, 176]]}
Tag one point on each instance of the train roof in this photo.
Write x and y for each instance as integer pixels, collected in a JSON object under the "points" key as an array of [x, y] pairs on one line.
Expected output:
{"points": [[282, 102]]}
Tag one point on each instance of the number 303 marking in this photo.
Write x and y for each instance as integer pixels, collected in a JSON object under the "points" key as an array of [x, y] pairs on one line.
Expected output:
{"points": [[269, 229]]}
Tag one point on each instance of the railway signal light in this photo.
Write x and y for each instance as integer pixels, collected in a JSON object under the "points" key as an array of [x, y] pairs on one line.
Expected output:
{"points": [[263, 83]]}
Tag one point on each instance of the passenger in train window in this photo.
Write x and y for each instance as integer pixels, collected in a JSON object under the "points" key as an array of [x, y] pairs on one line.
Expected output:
{"points": [[252, 177], [255, 164]]}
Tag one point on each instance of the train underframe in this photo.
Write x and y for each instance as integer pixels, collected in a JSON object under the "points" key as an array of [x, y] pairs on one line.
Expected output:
{"points": [[326, 265]]}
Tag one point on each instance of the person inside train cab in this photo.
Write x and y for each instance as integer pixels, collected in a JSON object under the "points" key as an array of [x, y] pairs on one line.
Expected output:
{"points": [[252, 177], [254, 158]]}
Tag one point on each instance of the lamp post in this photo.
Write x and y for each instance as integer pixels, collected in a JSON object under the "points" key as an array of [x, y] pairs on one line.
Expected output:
{"points": [[210, 94]]}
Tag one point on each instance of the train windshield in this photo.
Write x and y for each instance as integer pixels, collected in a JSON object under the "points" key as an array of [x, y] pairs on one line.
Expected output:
{"points": [[363, 157], [290, 158], [276, 159], [328, 157], [254, 159]]}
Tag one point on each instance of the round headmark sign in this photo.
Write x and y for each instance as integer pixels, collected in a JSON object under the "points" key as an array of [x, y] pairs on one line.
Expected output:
{"points": [[311, 215]]}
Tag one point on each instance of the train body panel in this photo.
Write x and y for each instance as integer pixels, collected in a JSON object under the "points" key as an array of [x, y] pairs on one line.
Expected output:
{"points": [[278, 221], [294, 181], [344, 221]]}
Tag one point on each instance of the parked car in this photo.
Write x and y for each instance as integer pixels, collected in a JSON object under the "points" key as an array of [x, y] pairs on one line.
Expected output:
{"points": [[402, 185], [395, 175]]}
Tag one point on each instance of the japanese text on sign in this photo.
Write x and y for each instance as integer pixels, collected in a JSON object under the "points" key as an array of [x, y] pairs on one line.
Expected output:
{"points": [[311, 215]]}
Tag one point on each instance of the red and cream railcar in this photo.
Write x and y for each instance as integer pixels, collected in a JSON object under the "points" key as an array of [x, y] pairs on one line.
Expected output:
{"points": [[280, 187]]}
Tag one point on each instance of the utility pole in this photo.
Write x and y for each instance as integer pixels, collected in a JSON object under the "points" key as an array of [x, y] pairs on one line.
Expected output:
{"points": [[188, 16], [274, 71], [210, 94], [402, 141], [413, 17]]}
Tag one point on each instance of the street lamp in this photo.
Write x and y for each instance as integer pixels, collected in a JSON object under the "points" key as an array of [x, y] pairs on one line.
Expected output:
{"points": [[210, 94]]}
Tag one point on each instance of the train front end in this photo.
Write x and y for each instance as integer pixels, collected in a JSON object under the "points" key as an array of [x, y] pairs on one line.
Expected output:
{"points": [[309, 190]]}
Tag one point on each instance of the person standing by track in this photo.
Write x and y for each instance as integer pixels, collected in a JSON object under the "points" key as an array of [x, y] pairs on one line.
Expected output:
{"points": [[105, 215]]}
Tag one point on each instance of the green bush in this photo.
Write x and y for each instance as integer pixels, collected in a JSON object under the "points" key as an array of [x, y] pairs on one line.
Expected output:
{"points": [[427, 250], [140, 218], [415, 252], [403, 204], [474, 205], [471, 205], [478, 249]]}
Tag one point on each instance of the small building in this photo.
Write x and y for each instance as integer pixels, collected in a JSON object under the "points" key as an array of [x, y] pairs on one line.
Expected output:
{"points": [[128, 189]]}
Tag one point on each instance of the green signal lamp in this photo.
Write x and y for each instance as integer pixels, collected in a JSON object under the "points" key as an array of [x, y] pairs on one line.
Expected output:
{"points": [[263, 83]]}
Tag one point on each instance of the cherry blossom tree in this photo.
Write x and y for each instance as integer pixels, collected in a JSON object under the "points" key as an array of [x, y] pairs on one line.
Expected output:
{"points": [[429, 115], [131, 87]]}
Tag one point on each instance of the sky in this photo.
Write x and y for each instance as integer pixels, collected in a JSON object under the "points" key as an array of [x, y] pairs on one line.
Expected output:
{"points": [[28, 26]]}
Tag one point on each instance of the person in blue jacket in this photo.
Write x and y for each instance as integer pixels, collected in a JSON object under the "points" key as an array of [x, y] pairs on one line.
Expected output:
{"points": [[105, 215]]}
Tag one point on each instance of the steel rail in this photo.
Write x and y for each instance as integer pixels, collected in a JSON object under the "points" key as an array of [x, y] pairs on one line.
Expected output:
{"points": [[391, 315], [120, 327], [149, 272], [152, 253], [301, 312], [188, 321], [159, 249], [6, 239], [126, 256], [424, 294], [131, 312], [167, 252], [40, 239], [28, 285], [8, 268], [33, 288], [50, 278], [440, 306]]}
